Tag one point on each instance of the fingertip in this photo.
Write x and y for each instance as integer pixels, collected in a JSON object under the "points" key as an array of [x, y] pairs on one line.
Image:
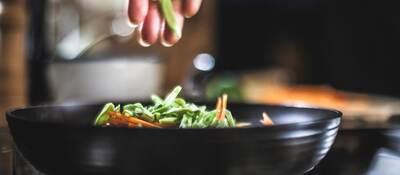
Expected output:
{"points": [[188, 16], [140, 39], [132, 25], [169, 38], [165, 43], [162, 40], [137, 11], [143, 43], [191, 7]]}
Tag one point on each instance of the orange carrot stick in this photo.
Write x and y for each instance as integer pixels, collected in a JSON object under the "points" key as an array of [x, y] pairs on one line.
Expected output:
{"points": [[224, 106], [218, 103], [144, 123], [133, 120], [218, 108]]}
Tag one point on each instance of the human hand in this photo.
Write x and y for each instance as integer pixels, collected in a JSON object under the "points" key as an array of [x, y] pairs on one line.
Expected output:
{"points": [[149, 17]]}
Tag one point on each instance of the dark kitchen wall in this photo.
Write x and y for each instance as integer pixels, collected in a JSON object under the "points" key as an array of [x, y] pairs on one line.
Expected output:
{"points": [[348, 44]]}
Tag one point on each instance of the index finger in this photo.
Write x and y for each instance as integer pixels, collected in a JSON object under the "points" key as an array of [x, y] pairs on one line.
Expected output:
{"points": [[191, 7]]}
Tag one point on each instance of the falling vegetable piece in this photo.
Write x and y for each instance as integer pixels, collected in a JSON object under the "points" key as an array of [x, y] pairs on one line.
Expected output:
{"points": [[169, 15]]}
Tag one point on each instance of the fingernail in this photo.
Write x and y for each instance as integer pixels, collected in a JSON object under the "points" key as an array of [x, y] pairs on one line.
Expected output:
{"points": [[175, 39], [143, 43], [140, 38], [131, 24], [165, 43]]}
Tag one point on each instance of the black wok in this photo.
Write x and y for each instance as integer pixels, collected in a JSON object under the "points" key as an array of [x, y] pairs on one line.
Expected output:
{"points": [[60, 140]]}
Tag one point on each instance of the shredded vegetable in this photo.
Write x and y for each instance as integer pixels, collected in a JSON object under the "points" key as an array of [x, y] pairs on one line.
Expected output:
{"points": [[171, 111]]}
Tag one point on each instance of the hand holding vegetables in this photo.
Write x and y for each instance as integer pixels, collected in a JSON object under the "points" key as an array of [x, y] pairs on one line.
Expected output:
{"points": [[161, 19]]}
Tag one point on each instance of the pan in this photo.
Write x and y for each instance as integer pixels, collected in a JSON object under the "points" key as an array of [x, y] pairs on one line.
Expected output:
{"points": [[60, 140]]}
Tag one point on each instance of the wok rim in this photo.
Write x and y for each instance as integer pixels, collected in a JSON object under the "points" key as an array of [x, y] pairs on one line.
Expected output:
{"points": [[336, 115]]}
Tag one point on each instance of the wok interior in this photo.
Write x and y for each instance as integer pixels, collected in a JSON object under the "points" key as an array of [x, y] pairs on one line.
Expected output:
{"points": [[252, 113]]}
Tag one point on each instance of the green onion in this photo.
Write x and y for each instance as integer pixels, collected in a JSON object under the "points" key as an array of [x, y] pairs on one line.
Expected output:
{"points": [[169, 15]]}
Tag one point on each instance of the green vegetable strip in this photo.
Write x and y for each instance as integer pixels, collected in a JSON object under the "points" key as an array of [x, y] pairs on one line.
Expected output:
{"points": [[169, 15], [117, 108], [138, 110], [172, 96], [231, 121], [103, 116], [157, 100], [169, 121], [180, 101]]}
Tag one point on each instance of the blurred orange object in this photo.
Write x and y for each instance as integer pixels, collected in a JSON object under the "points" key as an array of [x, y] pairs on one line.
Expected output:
{"points": [[304, 96], [354, 106]]}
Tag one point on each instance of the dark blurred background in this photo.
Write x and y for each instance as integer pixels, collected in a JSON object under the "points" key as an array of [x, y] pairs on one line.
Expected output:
{"points": [[350, 45]]}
